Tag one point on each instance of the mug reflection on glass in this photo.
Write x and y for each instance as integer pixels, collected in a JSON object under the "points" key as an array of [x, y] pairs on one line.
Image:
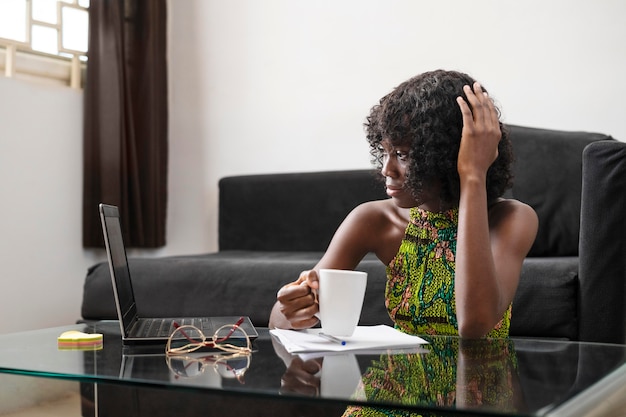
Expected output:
{"points": [[340, 377]]}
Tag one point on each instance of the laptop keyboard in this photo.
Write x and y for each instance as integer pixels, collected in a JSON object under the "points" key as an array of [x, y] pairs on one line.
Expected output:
{"points": [[165, 327]]}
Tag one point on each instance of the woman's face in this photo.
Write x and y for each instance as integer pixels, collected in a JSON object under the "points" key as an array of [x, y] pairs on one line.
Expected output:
{"points": [[394, 169]]}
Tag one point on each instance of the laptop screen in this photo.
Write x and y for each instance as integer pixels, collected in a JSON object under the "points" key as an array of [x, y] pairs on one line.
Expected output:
{"points": [[123, 291]]}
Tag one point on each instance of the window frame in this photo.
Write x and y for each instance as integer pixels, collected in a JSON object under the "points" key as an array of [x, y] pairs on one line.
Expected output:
{"points": [[19, 60]]}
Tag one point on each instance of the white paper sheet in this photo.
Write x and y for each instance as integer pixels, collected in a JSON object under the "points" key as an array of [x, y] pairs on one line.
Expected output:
{"points": [[364, 338]]}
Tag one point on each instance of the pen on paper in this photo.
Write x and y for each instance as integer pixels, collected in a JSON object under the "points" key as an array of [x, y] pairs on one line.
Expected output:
{"points": [[332, 338]]}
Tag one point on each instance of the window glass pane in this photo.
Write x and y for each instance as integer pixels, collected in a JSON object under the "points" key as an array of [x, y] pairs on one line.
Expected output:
{"points": [[53, 27], [13, 20], [45, 39], [81, 3], [75, 29], [45, 10]]}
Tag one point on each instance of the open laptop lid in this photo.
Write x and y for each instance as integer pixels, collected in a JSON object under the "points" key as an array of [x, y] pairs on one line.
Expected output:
{"points": [[118, 265], [125, 303]]}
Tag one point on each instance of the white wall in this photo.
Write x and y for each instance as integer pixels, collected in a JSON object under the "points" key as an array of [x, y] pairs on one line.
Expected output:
{"points": [[42, 262], [284, 85]]}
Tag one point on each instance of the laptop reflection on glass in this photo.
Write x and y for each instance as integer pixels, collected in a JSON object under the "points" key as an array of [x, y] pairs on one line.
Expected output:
{"points": [[146, 330]]}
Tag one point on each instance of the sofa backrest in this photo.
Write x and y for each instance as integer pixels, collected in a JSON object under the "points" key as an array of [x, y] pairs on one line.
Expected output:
{"points": [[290, 212], [548, 177], [301, 211]]}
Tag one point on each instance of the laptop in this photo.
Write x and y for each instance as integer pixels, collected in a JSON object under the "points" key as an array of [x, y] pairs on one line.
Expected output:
{"points": [[146, 330]]}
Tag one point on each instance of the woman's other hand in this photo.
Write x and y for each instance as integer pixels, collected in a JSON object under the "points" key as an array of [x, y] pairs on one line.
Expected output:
{"points": [[481, 133]]}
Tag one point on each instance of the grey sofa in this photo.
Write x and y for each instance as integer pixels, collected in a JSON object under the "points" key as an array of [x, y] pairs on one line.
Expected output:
{"points": [[271, 227]]}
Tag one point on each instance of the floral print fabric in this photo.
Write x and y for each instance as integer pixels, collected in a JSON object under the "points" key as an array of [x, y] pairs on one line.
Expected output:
{"points": [[420, 279]]}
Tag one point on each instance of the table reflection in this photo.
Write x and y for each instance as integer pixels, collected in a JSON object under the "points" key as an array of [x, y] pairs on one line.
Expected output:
{"points": [[448, 376], [451, 374], [455, 374]]}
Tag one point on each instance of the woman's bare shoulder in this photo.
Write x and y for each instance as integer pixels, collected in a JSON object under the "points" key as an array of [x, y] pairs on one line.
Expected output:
{"points": [[382, 225], [507, 213], [509, 206], [381, 212]]}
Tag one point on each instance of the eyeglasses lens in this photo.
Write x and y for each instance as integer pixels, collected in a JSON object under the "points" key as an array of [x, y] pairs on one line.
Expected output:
{"points": [[232, 335]]}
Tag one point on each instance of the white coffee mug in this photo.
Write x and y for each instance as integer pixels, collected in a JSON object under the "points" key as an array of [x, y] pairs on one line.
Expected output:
{"points": [[340, 298]]}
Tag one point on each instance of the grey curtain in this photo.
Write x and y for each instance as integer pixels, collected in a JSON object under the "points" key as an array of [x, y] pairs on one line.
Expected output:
{"points": [[125, 120]]}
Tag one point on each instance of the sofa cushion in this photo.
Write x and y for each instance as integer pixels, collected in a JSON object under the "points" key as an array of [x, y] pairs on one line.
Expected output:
{"points": [[245, 283], [546, 302], [218, 284], [548, 177]]}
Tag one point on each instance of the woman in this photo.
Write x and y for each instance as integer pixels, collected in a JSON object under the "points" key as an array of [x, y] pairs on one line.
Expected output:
{"points": [[452, 245]]}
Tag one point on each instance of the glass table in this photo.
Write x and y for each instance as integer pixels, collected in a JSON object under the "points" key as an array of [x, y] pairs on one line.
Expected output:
{"points": [[447, 376]]}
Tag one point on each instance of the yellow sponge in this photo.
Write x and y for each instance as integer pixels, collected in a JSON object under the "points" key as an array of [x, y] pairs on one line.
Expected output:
{"points": [[75, 340]]}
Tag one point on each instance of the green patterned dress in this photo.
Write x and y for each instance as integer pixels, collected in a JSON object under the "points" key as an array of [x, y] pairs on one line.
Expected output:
{"points": [[420, 279], [420, 300]]}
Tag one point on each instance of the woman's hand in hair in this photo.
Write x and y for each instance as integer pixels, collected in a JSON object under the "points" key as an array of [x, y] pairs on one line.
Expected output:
{"points": [[480, 135]]}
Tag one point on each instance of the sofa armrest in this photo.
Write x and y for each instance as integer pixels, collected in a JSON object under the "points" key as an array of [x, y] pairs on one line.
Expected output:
{"points": [[290, 212], [603, 243]]}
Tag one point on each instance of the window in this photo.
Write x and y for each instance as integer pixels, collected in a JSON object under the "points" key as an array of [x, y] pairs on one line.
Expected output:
{"points": [[44, 40]]}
